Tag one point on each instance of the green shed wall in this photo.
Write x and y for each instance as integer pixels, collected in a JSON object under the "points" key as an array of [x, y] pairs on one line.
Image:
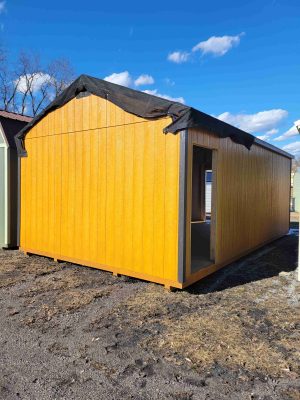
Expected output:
{"points": [[2, 195], [296, 190]]}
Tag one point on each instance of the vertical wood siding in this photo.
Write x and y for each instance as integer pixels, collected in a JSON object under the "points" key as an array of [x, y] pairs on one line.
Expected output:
{"points": [[101, 186], [252, 195]]}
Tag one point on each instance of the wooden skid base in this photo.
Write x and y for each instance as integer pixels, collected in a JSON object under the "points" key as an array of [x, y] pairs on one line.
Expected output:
{"points": [[116, 271], [168, 284], [169, 288]]}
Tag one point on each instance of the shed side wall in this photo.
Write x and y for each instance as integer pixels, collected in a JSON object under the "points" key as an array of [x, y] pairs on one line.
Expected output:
{"points": [[100, 186], [252, 196]]}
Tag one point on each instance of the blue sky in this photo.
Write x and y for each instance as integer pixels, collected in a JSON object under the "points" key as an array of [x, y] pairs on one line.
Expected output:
{"points": [[236, 60]]}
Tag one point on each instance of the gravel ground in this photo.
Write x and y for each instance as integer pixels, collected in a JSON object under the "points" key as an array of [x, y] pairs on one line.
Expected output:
{"points": [[69, 332]]}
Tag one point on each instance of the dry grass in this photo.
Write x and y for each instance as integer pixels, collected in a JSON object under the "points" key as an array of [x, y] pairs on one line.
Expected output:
{"points": [[246, 334]]}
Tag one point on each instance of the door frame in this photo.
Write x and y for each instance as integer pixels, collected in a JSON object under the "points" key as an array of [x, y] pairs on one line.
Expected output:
{"points": [[188, 274]]}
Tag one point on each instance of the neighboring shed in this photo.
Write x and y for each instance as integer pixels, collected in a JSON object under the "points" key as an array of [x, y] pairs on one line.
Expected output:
{"points": [[208, 186], [105, 185], [296, 190], [10, 125]]}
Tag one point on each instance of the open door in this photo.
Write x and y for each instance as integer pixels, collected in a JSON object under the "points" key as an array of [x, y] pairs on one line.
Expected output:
{"points": [[202, 251]]}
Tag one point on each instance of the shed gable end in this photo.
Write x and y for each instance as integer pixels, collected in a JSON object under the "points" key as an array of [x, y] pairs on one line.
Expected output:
{"points": [[81, 114]]}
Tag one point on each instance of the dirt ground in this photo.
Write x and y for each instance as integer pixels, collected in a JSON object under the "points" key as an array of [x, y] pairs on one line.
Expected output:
{"points": [[71, 332]]}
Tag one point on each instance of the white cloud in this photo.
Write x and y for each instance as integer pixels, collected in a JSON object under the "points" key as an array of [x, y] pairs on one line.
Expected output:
{"points": [[272, 131], [263, 121], [144, 80], [34, 81], [179, 57], [264, 137], [2, 6], [121, 78], [289, 133], [125, 79], [169, 82], [218, 45], [268, 135], [165, 96], [293, 148]]}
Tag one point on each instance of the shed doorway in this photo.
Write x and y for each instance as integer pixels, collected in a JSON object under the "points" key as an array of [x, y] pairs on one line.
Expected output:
{"points": [[201, 232]]}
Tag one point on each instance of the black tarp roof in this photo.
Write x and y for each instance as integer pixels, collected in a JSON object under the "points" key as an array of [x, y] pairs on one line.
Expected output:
{"points": [[142, 105]]}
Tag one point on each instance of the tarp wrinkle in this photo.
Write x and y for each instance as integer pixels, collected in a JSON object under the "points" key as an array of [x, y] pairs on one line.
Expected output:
{"points": [[142, 105]]}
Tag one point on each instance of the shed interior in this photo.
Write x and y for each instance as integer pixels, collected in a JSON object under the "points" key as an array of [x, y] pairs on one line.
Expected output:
{"points": [[201, 243]]}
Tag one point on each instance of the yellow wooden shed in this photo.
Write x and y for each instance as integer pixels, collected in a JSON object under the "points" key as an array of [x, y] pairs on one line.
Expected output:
{"points": [[113, 178]]}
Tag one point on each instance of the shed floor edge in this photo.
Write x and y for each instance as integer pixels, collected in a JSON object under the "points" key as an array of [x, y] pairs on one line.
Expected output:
{"points": [[197, 276], [204, 272], [118, 271]]}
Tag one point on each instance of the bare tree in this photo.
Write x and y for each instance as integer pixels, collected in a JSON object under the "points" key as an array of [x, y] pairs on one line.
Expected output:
{"points": [[61, 73], [295, 164], [34, 85], [28, 87], [8, 84]]}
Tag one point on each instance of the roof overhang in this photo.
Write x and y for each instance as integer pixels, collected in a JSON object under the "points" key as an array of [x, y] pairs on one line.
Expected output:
{"points": [[142, 105]]}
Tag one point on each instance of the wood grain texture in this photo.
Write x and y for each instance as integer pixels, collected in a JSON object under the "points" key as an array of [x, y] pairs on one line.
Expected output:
{"points": [[101, 186]]}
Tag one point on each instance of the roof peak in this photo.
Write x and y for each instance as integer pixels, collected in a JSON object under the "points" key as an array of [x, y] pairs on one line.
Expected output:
{"points": [[143, 105]]}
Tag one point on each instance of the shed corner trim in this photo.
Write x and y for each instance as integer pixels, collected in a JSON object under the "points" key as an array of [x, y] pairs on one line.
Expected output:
{"points": [[182, 205]]}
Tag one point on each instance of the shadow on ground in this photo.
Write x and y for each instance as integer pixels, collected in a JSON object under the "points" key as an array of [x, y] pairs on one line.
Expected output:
{"points": [[269, 261]]}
